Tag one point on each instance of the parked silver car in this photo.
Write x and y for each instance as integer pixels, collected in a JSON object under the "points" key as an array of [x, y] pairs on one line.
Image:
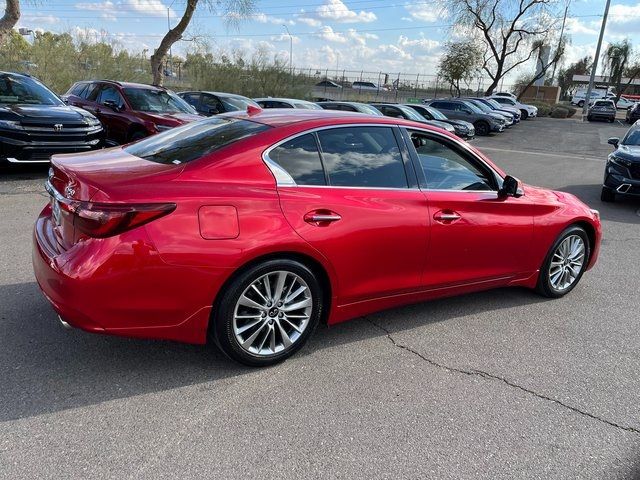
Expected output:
{"points": [[484, 123]]}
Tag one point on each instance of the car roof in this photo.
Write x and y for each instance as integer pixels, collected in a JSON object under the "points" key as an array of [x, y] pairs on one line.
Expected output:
{"points": [[279, 117], [341, 102], [218, 94], [127, 84], [282, 99]]}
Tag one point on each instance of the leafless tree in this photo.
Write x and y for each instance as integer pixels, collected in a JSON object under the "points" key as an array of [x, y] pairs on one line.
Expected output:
{"points": [[507, 28], [9, 19], [232, 10]]}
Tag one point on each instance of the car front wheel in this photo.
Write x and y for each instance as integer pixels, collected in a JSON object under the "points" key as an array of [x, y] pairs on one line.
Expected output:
{"points": [[268, 312], [607, 195], [482, 128], [565, 263]]}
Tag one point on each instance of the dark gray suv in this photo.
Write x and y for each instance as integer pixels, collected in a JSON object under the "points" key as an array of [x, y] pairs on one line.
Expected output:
{"points": [[484, 123]]}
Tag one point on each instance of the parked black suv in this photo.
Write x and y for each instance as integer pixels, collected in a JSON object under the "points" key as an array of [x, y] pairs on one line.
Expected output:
{"points": [[35, 123], [622, 172], [633, 113]]}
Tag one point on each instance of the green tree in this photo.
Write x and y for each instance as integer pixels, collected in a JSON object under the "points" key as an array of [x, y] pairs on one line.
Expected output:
{"points": [[459, 63], [565, 75], [615, 59], [232, 11]]}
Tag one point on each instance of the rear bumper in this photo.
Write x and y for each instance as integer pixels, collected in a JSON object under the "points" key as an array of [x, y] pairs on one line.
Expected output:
{"points": [[602, 115], [120, 286]]}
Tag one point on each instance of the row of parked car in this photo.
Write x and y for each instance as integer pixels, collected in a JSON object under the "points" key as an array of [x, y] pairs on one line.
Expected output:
{"points": [[35, 123]]}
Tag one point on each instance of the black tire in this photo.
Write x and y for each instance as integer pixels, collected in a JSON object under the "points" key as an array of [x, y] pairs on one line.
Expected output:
{"points": [[544, 286], [482, 128], [589, 119], [581, 103], [607, 195], [611, 120], [524, 114], [222, 331], [137, 135]]}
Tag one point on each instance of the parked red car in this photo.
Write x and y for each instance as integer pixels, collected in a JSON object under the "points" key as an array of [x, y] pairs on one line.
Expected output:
{"points": [[249, 229], [131, 111]]}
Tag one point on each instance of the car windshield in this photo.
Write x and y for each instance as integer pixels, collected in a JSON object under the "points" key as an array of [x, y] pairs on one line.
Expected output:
{"points": [[436, 114], [473, 107], [494, 104], [193, 140], [25, 90], [364, 108], [411, 113], [631, 138], [156, 101], [481, 105], [237, 103], [307, 105]]}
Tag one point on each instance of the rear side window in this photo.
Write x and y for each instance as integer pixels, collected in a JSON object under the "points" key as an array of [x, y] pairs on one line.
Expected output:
{"points": [[301, 159], [443, 105], [194, 140], [77, 89], [362, 157]]}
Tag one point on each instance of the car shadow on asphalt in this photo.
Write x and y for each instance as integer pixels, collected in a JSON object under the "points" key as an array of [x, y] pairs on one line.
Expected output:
{"points": [[623, 210], [45, 368], [12, 172]]}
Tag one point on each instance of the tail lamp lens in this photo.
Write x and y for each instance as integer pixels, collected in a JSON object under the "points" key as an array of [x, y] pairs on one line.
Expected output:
{"points": [[100, 220]]}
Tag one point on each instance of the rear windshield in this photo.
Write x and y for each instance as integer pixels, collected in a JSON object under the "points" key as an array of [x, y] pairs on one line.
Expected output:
{"points": [[603, 103], [193, 140]]}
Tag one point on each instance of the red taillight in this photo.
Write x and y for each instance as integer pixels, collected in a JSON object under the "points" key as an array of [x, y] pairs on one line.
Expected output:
{"points": [[100, 220]]}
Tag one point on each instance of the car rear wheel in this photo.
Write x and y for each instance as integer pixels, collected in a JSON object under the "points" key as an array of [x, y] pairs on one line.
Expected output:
{"points": [[524, 114], [268, 312], [607, 195], [565, 263], [482, 128], [581, 103]]}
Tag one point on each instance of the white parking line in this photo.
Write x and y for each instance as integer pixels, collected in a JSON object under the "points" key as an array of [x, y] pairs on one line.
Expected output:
{"points": [[544, 154]]}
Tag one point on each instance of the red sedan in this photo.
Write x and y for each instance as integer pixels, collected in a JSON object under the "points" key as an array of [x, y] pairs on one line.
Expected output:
{"points": [[249, 229]]}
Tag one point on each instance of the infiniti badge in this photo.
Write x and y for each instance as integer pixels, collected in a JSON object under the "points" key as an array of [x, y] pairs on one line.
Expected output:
{"points": [[69, 191], [57, 127]]}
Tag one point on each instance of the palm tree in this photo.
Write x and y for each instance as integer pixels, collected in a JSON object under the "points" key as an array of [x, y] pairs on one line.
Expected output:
{"points": [[615, 59]]}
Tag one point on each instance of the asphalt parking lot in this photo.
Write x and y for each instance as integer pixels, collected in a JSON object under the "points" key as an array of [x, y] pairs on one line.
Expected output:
{"points": [[495, 385]]}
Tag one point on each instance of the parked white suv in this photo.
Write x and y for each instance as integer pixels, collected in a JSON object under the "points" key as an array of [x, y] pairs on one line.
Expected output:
{"points": [[527, 111], [367, 86], [579, 97]]}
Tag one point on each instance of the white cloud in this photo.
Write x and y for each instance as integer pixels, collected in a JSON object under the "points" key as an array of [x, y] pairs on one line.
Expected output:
{"points": [[576, 27], [264, 18], [327, 33], [154, 8], [425, 12], [40, 19], [422, 45], [107, 9], [312, 22], [337, 11], [283, 37]]}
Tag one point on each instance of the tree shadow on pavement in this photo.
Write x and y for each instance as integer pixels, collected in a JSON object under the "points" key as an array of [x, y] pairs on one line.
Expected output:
{"points": [[45, 368]]}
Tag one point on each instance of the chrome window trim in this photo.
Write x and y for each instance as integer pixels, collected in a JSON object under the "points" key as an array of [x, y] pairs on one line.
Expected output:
{"points": [[283, 179], [281, 175], [464, 146]]}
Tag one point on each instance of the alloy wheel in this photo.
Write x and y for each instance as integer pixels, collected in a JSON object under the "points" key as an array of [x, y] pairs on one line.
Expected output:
{"points": [[567, 262], [272, 313]]}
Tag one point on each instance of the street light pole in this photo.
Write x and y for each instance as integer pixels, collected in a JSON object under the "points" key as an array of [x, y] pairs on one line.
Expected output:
{"points": [[585, 107], [290, 49]]}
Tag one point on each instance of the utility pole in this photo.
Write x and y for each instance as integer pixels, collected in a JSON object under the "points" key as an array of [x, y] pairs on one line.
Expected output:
{"points": [[587, 99], [290, 49], [564, 20]]}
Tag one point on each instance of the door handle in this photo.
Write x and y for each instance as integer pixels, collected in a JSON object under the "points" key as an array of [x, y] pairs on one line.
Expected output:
{"points": [[446, 216], [322, 216]]}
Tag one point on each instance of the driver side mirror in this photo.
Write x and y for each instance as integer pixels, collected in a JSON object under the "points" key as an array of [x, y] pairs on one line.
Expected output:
{"points": [[614, 141], [510, 188], [112, 105]]}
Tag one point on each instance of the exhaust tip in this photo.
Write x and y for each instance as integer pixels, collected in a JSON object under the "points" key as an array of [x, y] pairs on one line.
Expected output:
{"points": [[64, 324], [624, 188]]}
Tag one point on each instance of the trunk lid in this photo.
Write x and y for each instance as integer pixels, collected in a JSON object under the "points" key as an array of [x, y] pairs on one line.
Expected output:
{"points": [[93, 177]]}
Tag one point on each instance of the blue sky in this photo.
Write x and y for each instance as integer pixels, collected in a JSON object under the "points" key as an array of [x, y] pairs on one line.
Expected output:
{"points": [[373, 35]]}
